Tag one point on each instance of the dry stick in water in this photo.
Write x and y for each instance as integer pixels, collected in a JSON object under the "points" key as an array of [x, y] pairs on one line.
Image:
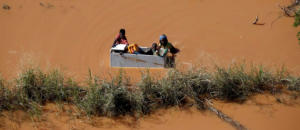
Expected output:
{"points": [[256, 21], [224, 117]]}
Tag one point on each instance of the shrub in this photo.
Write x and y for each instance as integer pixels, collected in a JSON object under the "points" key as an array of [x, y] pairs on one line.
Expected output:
{"points": [[232, 83], [5, 95], [117, 97], [262, 79], [41, 87], [294, 84], [297, 23], [111, 98]]}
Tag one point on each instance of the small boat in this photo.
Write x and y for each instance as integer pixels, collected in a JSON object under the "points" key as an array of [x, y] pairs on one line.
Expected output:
{"points": [[119, 58]]}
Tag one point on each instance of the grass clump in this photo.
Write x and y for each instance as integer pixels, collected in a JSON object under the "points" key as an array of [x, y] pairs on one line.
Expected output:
{"points": [[110, 99], [36, 86], [232, 84], [262, 79], [118, 97], [235, 83], [5, 96], [176, 89], [293, 83]]}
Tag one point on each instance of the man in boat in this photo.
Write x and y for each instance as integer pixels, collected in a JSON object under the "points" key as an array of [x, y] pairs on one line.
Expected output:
{"points": [[163, 50], [120, 38], [165, 46], [130, 48]]}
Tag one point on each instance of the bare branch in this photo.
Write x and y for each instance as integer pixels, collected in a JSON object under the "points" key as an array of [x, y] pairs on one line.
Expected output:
{"points": [[256, 21]]}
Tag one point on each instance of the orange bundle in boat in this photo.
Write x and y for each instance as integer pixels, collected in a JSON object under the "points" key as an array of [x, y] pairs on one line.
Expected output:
{"points": [[133, 48]]}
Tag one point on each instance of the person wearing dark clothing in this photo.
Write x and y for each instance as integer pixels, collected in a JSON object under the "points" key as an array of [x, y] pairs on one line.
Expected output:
{"points": [[165, 46], [153, 50], [120, 38]]}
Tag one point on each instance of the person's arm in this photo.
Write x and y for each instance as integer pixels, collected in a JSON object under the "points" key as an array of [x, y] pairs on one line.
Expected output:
{"points": [[116, 40], [125, 40], [170, 46], [114, 43]]}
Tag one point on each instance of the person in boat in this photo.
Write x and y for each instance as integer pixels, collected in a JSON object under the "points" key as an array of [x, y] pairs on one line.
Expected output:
{"points": [[165, 46], [135, 49], [163, 50], [153, 50], [120, 38]]}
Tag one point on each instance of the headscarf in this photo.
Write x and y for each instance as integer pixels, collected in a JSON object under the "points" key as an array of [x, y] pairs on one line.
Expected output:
{"points": [[162, 37]]}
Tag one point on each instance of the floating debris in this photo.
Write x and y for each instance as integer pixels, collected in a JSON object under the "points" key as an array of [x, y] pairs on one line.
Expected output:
{"points": [[48, 5], [256, 21], [6, 7]]}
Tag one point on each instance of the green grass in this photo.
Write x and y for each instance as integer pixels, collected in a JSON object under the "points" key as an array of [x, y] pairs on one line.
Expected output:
{"points": [[118, 97], [5, 96]]}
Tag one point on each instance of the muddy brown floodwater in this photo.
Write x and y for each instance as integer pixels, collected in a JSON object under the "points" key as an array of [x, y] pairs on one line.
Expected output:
{"points": [[76, 35], [260, 112]]}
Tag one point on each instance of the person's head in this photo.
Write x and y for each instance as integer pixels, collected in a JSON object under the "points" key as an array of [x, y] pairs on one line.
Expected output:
{"points": [[163, 40], [154, 47], [122, 32]]}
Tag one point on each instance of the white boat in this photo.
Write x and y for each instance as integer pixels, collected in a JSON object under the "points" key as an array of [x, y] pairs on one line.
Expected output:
{"points": [[120, 59]]}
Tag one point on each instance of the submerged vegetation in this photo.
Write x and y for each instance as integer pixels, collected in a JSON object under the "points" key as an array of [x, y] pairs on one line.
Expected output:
{"points": [[117, 97], [297, 23]]}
